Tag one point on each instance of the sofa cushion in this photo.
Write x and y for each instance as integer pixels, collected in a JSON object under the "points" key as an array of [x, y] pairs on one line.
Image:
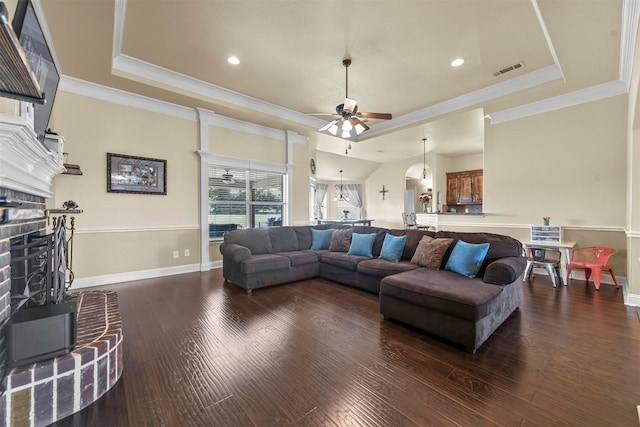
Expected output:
{"points": [[392, 247], [466, 258], [501, 246], [262, 263], [413, 239], [362, 244], [505, 270], [300, 257], [341, 259], [256, 240], [430, 252], [380, 233], [321, 239], [444, 291], [303, 234], [341, 240], [283, 239], [380, 267]]}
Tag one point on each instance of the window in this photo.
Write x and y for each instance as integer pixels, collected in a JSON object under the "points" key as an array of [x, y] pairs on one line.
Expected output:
{"points": [[241, 198]]}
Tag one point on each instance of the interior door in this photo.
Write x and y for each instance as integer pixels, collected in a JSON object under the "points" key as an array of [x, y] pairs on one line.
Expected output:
{"points": [[410, 200]]}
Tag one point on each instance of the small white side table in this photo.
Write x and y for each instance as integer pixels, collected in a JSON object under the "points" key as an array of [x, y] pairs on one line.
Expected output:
{"points": [[564, 247]]}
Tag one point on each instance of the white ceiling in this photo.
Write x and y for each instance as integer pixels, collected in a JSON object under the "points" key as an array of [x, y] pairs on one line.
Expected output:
{"points": [[291, 60]]}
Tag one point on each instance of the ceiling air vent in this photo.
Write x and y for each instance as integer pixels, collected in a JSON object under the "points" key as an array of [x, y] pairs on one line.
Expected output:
{"points": [[509, 68]]}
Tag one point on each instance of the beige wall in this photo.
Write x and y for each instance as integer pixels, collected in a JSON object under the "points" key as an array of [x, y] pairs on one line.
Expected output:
{"points": [[120, 233], [227, 142], [568, 164]]}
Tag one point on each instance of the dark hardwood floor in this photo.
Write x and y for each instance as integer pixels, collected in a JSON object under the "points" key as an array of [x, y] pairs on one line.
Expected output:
{"points": [[199, 352]]}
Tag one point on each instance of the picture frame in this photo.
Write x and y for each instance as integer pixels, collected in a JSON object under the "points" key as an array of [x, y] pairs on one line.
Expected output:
{"points": [[136, 175]]}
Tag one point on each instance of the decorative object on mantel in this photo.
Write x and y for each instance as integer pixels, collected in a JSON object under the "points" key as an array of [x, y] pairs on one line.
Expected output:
{"points": [[70, 168], [545, 220], [346, 214], [384, 191], [425, 199], [70, 204], [136, 175]]}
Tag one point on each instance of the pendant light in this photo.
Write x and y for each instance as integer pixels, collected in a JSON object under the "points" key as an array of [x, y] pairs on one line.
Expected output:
{"points": [[424, 160], [340, 197]]}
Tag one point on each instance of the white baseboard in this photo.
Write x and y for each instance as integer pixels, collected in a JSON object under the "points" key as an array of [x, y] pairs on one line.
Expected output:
{"points": [[110, 279], [629, 299]]}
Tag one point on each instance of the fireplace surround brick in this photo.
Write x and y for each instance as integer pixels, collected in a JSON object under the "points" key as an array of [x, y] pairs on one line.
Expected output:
{"points": [[44, 392], [41, 393]]}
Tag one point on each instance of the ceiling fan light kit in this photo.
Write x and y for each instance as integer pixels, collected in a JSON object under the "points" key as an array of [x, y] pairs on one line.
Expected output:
{"points": [[349, 124]]}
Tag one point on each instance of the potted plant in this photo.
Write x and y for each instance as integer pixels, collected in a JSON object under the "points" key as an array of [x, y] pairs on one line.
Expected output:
{"points": [[425, 199]]}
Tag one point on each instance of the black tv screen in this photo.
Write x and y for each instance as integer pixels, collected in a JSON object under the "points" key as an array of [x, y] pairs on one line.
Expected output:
{"points": [[27, 27]]}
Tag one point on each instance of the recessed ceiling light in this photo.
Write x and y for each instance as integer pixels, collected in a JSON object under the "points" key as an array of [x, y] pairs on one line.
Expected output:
{"points": [[233, 60], [457, 62]]}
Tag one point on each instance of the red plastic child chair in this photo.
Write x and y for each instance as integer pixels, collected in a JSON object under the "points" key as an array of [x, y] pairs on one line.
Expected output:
{"points": [[593, 259]]}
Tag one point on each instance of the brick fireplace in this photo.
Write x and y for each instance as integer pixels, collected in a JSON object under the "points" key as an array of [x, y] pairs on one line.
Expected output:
{"points": [[40, 393], [7, 232]]}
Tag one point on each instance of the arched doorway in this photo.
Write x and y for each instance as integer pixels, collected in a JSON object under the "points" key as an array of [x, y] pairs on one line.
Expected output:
{"points": [[418, 180]]}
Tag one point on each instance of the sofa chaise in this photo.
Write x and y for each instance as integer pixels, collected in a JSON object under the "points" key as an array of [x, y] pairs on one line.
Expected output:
{"points": [[424, 284]]}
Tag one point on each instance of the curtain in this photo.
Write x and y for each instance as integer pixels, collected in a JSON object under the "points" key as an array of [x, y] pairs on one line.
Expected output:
{"points": [[318, 198], [352, 193]]}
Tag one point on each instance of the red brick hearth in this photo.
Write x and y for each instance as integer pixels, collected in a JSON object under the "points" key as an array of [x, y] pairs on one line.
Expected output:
{"points": [[44, 392]]}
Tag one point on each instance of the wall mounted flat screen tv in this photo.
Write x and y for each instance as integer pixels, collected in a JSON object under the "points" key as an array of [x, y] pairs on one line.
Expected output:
{"points": [[29, 31]]}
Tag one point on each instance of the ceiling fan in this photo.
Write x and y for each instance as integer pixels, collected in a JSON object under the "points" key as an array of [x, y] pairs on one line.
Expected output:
{"points": [[227, 178], [349, 118]]}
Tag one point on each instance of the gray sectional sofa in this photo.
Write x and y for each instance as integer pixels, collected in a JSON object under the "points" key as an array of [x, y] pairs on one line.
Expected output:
{"points": [[445, 303]]}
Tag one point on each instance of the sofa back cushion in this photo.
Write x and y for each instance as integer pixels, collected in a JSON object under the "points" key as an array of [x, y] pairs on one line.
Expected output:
{"points": [[413, 238], [466, 258], [500, 245], [255, 239], [320, 239], [377, 243], [283, 239], [430, 252], [393, 247], [341, 240], [362, 244]]}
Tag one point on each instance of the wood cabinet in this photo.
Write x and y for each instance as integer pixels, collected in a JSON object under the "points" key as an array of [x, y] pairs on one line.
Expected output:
{"points": [[465, 188]]}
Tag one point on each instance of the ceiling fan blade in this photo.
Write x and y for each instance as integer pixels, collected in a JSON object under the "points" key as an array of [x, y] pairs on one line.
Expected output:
{"points": [[327, 126], [359, 125], [381, 116], [349, 105], [322, 114]]}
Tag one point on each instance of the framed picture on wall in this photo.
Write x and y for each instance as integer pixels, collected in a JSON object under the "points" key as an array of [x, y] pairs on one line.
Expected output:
{"points": [[137, 175]]}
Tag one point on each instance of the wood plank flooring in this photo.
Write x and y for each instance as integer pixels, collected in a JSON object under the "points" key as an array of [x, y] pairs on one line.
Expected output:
{"points": [[199, 352]]}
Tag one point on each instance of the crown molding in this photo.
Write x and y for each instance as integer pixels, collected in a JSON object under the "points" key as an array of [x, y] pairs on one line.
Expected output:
{"points": [[628, 36], [593, 93], [117, 96], [535, 78], [127, 66]]}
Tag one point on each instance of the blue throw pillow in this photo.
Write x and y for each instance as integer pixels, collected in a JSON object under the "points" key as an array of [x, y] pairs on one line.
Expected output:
{"points": [[321, 239], [392, 247], [466, 258], [362, 244]]}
